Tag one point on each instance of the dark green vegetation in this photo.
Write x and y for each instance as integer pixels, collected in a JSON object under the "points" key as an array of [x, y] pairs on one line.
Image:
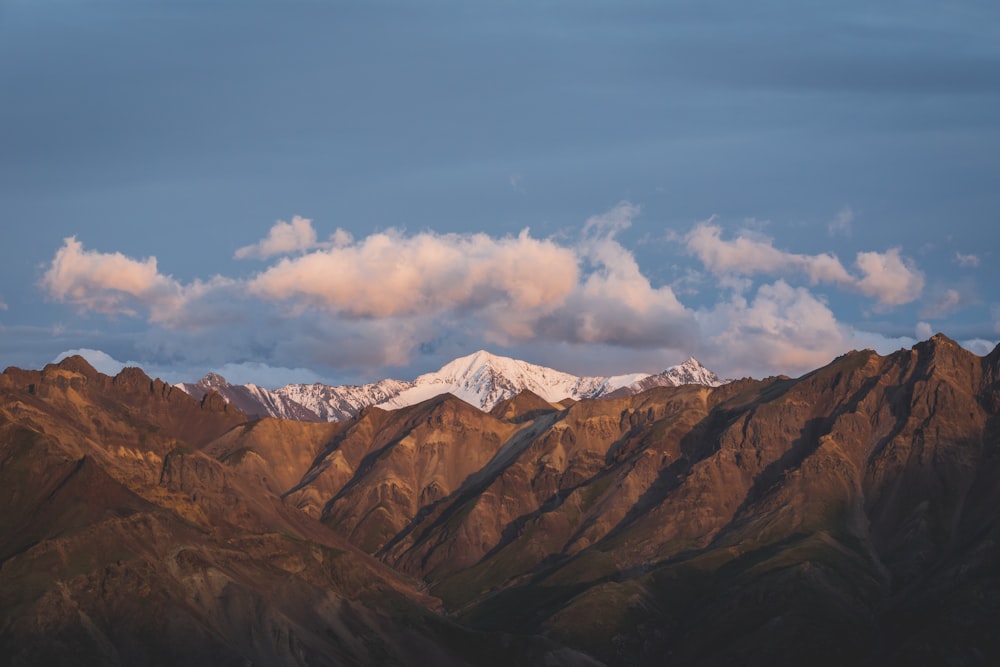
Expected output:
{"points": [[851, 516]]}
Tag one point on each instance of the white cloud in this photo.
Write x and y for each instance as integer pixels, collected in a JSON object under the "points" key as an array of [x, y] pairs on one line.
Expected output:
{"points": [[99, 359], [615, 303], [363, 305], [979, 346], [888, 277], [749, 256], [284, 238], [924, 330], [967, 261], [842, 222], [263, 375], [783, 329]]}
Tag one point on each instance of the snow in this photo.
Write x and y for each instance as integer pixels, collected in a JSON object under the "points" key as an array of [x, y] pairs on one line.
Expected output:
{"points": [[483, 380]]}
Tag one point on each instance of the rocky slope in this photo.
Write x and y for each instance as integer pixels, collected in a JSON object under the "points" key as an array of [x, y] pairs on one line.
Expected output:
{"points": [[849, 516], [139, 526]]}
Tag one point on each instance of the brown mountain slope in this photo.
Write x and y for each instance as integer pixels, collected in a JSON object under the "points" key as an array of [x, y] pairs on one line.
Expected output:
{"points": [[850, 516], [123, 541], [791, 519]]}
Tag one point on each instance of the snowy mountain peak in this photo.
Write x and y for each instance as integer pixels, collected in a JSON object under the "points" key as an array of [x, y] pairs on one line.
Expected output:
{"points": [[484, 379], [692, 372]]}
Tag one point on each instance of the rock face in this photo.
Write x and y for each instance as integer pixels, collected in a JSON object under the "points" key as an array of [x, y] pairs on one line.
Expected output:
{"points": [[849, 516]]}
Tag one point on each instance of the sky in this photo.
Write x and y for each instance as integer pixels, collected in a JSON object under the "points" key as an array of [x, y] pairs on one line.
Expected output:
{"points": [[344, 191]]}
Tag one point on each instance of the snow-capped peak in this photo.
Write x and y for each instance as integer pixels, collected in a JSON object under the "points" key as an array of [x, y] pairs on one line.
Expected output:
{"points": [[484, 379], [693, 372]]}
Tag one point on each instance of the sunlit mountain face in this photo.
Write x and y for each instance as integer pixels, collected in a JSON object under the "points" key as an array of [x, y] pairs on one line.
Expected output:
{"points": [[846, 516]]}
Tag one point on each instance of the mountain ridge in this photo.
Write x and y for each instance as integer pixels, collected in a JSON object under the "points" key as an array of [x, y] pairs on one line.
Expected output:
{"points": [[847, 516], [482, 379]]}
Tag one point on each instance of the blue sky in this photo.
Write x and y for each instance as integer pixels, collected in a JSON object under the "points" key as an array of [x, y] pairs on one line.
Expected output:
{"points": [[600, 187]]}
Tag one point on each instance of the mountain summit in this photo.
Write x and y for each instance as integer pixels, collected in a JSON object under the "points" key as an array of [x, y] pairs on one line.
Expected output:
{"points": [[485, 379]]}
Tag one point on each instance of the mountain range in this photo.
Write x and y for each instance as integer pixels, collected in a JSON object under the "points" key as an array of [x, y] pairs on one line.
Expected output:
{"points": [[481, 379], [848, 516]]}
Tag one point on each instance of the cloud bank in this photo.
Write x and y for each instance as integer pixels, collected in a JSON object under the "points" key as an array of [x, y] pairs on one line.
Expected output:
{"points": [[363, 304], [888, 277]]}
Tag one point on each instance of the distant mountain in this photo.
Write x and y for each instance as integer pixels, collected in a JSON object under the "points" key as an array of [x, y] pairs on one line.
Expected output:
{"points": [[250, 399], [344, 401], [690, 372], [481, 379]]}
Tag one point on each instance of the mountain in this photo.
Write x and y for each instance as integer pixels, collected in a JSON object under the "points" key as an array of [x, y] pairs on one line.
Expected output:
{"points": [[139, 526], [483, 379], [250, 399], [344, 401], [848, 516], [689, 372], [480, 379]]}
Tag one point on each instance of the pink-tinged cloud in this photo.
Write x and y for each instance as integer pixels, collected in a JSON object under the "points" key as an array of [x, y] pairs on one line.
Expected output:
{"points": [[391, 274], [107, 283], [889, 277], [747, 256], [284, 238]]}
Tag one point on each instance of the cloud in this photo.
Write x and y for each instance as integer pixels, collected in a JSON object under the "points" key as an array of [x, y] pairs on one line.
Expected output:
{"points": [[100, 360], [979, 346], [263, 375], [615, 303], [360, 306], [924, 330], [888, 277], [783, 329], [748, 256], [967, 261], [942, 304], [390, 274], [284, 238], [842, 222], [107, 283]]}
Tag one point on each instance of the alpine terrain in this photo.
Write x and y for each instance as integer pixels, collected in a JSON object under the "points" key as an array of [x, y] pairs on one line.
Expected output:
{"points": [[848, 516], [481, 379]]}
